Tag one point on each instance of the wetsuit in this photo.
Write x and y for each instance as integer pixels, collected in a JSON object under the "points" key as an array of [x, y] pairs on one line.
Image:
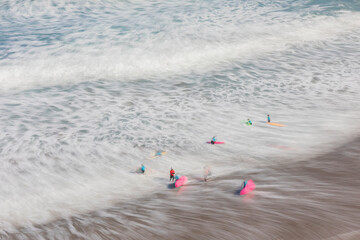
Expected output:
{"points": [[172, 174]]}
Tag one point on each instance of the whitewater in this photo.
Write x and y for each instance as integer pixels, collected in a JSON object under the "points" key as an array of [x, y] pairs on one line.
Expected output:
{"points": [[89, 90]]}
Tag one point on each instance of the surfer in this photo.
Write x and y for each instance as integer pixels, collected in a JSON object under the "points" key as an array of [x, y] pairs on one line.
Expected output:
{"points": [[245, 182], [213, 140], [172, 174], [207, 173], [268, 116], [249, 122], [142, 168]]}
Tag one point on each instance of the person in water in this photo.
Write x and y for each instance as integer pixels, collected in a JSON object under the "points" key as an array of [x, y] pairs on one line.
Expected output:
{"points": [[268, 116], [177, 178], [213, 140], [207, 173], [249, 122], [172, 174], [158, 153], [142, 168]]}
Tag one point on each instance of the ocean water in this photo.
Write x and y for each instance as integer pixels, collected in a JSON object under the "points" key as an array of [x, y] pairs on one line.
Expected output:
{"points": [[89, 90]]}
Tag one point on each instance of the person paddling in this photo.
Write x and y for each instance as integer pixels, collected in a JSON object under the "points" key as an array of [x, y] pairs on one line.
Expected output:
{"points": [[268, 117], [172, 174], [249, 122], [213, 140]]}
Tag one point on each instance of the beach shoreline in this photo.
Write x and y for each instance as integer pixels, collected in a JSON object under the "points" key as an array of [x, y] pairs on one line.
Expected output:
{"points": [[312, 199]]}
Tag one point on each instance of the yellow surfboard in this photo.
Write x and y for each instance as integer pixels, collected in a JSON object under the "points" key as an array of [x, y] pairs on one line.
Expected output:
{"points": [[156, 154], [276, 124]]}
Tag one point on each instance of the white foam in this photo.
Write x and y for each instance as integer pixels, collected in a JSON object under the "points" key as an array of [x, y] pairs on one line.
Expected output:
{"points": [[70, 151], [177, 50]]}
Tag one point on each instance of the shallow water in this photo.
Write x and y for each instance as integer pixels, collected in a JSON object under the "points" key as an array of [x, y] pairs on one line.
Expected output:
{"points": [[312, 199]]}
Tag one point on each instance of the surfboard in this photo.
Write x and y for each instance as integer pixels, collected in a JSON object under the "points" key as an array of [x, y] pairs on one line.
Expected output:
{"points": [[216, 142], [276, 124], [181, 181], [282, 147], [248, 188], [157, 155], [246, 123]]}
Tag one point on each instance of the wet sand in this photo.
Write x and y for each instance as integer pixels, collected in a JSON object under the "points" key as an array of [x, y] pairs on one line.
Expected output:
{"points": [[314, 199]]}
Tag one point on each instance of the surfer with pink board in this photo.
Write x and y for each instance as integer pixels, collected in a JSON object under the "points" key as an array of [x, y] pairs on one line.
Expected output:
{"points": [[213, 141], [248, 187]]}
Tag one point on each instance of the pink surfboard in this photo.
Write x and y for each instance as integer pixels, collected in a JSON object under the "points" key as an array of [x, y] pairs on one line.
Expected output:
{"points": [[216, 142], [181, 181], [248, 188]]}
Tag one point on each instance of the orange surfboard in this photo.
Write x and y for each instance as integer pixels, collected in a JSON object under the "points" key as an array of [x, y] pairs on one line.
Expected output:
{"points": [[276, 124]]}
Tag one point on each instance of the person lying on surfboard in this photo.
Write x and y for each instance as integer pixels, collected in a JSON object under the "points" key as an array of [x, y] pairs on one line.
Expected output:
{"points": [[268, 116], [249, 122], [213, 140]]}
